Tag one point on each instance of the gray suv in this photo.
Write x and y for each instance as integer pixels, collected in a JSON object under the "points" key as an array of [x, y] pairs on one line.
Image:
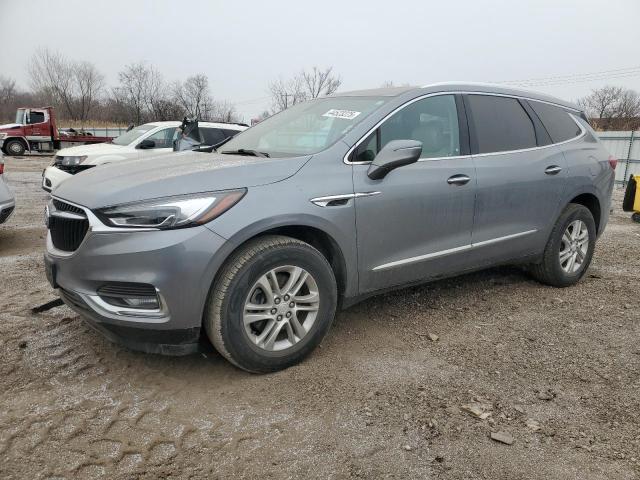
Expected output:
{"points": [[256, 245]]}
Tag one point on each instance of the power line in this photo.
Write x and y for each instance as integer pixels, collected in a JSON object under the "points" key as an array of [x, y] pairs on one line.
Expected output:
{"points": [[577, 78]]}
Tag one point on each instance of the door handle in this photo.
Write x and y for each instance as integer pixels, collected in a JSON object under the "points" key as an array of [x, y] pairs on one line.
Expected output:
{"points": [[552, 170], [458, 180]]}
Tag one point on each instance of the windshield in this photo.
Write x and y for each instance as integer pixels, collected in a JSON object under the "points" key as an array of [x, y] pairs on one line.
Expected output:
{"points": [[305, 128], [20, 116], [132, 135]]}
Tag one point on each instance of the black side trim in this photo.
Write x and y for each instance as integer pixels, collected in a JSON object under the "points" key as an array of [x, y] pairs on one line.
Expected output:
{"points": [[542, 135], [463, 126], [473, 136]]}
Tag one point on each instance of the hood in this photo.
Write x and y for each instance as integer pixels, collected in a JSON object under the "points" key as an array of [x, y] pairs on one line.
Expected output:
{"points": [[175, 174], [8, 126], [95, 149]]}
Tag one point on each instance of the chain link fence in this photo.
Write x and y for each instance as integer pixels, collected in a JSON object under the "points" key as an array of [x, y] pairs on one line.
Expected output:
{"points": [[625, 146]]}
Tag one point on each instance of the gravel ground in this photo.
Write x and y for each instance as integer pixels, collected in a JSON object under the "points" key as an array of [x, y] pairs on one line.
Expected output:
{"points": [[411, 384]]}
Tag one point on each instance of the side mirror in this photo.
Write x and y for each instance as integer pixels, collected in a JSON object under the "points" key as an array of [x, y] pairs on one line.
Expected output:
{"points": [[396, 153], [146, 144]]}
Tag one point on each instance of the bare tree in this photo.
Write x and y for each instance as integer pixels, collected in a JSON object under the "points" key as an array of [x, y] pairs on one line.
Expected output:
{"points": [[612, 106], [133, 89], [72, 86], [602, 102], [194, 96], [223, 111], [90, 84], [628, 104], [320, 82], [7, 90], [304, 86], [286, 93], [51, 76], [8, 95]]}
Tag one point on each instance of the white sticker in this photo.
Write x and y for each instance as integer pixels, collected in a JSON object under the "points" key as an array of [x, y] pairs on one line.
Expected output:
{"points": [[346, 114]]}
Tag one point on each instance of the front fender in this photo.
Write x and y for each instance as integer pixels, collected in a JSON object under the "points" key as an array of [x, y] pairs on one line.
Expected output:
{"points": [[345, 244]]}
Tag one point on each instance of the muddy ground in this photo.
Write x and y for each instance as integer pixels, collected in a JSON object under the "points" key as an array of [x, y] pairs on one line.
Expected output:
{"points": [[556, 369]]}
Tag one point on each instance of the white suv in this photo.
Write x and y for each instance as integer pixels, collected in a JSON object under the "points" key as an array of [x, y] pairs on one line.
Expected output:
{"points": [[148, 140]]}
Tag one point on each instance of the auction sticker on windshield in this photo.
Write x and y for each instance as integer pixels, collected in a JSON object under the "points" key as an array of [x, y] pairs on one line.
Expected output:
{"points": [[346, 114]]}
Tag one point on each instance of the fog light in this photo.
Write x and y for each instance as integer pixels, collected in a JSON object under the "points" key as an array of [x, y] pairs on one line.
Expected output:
{"points": [[145, 303], [130, 295]]}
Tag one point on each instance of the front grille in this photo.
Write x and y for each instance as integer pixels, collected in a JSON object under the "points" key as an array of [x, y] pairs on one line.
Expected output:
{"points": [[65, 207], [67, 231], [4, 214], [73, 169], [127, 290]]}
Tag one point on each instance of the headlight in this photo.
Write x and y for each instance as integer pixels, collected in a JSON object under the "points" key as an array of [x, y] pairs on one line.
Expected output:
{"points": [[73, 161], [171, 212]]}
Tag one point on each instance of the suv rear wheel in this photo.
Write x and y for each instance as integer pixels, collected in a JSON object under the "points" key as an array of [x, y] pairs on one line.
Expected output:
{"points": [[569, 249], [272, 304]]}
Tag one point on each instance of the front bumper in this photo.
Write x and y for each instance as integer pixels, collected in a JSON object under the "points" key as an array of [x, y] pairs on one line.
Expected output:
{"points": [[180, 264], [52, 177], [6, 210]]}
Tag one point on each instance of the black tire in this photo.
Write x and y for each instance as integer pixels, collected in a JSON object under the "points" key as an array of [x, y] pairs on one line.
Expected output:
{"points": [[223, 318], [549, 270], [636, 217], [14, 148]]}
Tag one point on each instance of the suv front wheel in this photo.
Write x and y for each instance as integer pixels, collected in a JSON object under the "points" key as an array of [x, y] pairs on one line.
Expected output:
{"points": [[272, 304], [569, 249]]}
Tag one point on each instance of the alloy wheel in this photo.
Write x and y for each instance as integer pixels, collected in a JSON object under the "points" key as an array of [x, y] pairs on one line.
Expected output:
{"points": [[281, 308], [574, 246]]}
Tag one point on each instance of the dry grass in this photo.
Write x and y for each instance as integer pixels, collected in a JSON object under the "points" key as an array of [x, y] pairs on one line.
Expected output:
{"points": [[89, 124]]}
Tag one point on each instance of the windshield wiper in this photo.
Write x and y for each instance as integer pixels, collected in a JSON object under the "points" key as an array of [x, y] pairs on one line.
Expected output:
{"points": [[244, 151]]}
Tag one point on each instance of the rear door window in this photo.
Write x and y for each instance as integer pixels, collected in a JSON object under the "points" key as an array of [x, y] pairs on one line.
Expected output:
{"points": [[501, 124], [212, 136], [230, 133], [558, 122]]}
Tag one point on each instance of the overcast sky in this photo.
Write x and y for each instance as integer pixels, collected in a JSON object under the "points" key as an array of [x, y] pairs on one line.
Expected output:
{"points": [[242, 45]]}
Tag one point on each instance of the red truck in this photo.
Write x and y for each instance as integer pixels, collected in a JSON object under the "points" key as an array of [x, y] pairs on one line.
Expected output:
{"points": [[35, 131]]}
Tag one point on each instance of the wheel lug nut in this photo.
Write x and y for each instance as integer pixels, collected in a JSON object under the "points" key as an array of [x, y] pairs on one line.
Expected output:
{"points": [[279, 317], [273, 311], [277, 300], [288, 314], [286, 297], [292, 304]]}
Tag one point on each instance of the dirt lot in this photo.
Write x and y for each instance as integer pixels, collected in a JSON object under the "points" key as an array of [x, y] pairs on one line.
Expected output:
{"points": [[557, 370]]}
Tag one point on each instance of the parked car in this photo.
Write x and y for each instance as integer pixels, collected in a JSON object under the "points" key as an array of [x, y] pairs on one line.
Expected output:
{"points": [[7, 200], [322, 205], [148, 140]]}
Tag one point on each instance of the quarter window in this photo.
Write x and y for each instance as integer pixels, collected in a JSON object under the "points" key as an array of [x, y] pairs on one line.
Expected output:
{"points": [[558, 122], [501, 124]]}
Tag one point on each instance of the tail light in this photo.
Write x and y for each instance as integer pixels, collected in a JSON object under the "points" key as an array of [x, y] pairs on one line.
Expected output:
{"points": [[1, 168], [613, 161]]}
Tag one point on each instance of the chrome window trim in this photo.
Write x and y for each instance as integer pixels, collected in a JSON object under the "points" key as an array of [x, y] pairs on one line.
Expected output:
{"points": [[346, 161], [449, 251]]}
